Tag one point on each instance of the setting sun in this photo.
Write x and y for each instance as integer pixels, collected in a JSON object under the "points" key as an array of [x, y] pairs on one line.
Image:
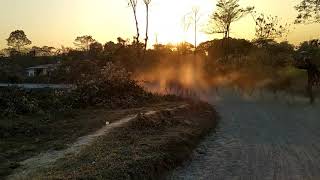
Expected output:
{"points": [[106, 19], [170, 18], [159, 89]]}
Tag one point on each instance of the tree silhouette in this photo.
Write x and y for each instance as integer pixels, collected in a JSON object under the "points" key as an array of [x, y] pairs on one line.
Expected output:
{"points": [[312, 49], [195, 19], [84, 42], [185, 48], [17, 40], [48, 50], [192, 18], [185, 25], [133, 4], [309, 12], [269, 28], [122, 41], [42, 51], [110, 48], [147, 3], [96, 49], [228, 11]]}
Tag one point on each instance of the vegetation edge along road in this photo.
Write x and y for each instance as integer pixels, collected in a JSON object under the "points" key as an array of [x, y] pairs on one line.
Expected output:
{"points": [[147, 147], [25, 137]]}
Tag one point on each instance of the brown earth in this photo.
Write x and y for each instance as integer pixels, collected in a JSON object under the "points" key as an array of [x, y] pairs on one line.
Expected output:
{"points": [[146, 147], [27, 136]]}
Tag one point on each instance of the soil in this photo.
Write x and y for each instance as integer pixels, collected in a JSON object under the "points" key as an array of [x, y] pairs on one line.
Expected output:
{"points": [[143, 147], [26, 139]]}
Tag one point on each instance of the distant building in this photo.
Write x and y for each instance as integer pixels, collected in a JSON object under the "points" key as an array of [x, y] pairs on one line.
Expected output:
{"points": [[42, 70]]}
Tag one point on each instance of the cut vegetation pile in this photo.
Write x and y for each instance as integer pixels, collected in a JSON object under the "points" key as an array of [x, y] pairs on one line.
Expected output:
{"points": [[145, 148]]}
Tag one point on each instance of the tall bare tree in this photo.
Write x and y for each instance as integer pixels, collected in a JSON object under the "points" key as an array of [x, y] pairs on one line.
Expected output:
{"points": [[228, 11], [195, 19], [185, 22], [133, 4], [192, 18], [309, 12], [147, 4]]}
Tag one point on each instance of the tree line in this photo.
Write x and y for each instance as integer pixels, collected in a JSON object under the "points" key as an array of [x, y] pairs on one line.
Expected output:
{"points": [[268, 28]]}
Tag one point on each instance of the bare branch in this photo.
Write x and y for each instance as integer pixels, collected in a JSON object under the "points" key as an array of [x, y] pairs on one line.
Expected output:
{"points": [[133, 4], [269, 27]]}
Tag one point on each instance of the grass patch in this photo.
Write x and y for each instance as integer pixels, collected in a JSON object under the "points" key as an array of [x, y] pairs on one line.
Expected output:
{"points": [[144, 148], [25, 136]]}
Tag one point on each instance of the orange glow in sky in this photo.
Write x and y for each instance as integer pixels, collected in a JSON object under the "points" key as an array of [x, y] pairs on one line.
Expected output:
{"points": [[59, 22]]}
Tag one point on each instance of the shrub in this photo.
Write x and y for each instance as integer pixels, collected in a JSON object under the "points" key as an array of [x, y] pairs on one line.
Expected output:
{"points": [[111, 86], [16, 101]]}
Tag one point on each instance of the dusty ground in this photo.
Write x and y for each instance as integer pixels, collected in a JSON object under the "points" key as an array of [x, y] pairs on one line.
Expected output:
{"points": [[23, 138], [259, 137], [145, 147]]}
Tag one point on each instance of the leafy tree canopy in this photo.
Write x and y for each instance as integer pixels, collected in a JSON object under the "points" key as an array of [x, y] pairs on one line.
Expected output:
{"points": [[84, 42], [18, 39], [309, 12], [228, 11]]}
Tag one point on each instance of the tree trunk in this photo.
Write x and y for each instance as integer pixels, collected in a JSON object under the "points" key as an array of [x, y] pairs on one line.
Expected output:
{"points": [[195, 34], [138, 31], [147, 28], [137, 27], [227, 43]]}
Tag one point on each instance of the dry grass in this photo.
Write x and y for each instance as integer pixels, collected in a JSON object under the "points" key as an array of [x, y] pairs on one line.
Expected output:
{"points": [[26, 136], [145, 148]]}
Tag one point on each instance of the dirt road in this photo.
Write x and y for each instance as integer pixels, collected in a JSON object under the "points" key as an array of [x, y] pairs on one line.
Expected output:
{"points": [[260, 137]]}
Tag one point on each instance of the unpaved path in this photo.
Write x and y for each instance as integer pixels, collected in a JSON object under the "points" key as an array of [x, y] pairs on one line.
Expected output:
{"points": [[259, 138], [48, 158]]}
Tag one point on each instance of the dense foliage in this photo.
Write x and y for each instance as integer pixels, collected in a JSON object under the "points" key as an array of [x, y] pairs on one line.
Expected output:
{"points": [[104, 76], [109, 86], [15, 101]]}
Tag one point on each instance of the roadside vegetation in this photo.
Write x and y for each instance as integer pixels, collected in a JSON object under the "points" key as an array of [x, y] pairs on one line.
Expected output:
{"points": [[25, 136], [145, 148], [34, 121], [111, 80]]}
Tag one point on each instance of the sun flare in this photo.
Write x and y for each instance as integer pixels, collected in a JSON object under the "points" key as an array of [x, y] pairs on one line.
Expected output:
{"points": [[173, 25]]}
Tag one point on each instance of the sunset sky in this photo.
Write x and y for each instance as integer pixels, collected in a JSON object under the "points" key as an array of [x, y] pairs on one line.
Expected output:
{"points": [[58, 22]]}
